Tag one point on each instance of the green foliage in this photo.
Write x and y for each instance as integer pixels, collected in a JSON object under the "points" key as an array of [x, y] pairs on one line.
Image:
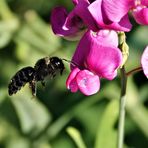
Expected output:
{"points": [[106, 127], [26, 122], [76, 136]]}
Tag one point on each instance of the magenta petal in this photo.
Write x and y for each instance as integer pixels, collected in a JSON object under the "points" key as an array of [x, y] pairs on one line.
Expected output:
{"points": [[103, 36], [96, 7], [71, 80], [58, 18], [88, 83], [98, 53], [108, 37], [104, 22], [124, 24], [80, 16], [104, 61], [81, 51], [144, 61], [116, 9], [73, 20], [141, 16], [75, 1], [81, 10], [144, 2]]}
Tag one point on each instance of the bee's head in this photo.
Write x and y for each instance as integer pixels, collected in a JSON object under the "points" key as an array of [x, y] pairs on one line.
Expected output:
{"points": [[57, 63]]}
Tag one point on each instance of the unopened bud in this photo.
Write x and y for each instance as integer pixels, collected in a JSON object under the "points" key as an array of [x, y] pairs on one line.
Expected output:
{"points": [[125, 53], [123, 47]]}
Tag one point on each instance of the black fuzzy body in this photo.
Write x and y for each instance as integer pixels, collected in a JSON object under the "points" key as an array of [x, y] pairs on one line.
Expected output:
{"points": [[22, 77], [44, 67]]}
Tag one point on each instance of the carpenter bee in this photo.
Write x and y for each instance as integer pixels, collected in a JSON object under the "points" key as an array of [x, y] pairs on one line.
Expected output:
{"points": [[48, 66]]}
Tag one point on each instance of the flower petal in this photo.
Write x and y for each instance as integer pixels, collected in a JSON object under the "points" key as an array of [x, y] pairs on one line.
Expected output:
{"points": [[58, 18], [88, 83], [99, 53], [116, 9], [108, 37], [75, 1], [141, 16], [104, 61], [124, 24], [104, 22], [105, 36], [144, 61], [81, 10], [81, 51], [144, 2], [71, 80]]}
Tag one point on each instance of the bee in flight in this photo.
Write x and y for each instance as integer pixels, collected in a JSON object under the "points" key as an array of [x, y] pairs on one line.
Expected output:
{"points": [[43, 67]]}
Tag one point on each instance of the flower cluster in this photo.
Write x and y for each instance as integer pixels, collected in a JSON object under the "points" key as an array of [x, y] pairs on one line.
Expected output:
{"points": [[96, 24]]}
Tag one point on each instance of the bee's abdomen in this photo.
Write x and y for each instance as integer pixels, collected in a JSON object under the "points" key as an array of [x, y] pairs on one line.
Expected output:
{"points": [[20, 79]]}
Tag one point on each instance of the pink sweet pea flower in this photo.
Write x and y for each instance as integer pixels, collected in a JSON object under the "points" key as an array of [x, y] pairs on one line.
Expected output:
{"points": [[140, 12], [111, 14], [73, 30], [144, 61], [72, 25], [98, 14], [83, 80], [98, 57]]}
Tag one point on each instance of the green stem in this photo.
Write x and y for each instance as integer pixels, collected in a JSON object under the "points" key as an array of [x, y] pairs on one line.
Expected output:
{"points": [[122, 109]]}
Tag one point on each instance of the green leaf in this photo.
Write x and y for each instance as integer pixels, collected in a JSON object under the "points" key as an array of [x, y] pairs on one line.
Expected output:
{"points": [[17, 142], [4, 38], [5, 11], [25, 50], [143, 94], [33, 116], [41, 28], [39, 34], [41, 143], [106, 134], [3, 94], [7, 28], [135, 108], [76, 136]]}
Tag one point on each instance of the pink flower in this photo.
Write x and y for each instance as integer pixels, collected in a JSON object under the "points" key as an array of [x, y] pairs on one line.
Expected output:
{"points": [[84, 80], [98, 14], [98, 57], [72, 25], [140, 11], [67, 25], [111, 14], [144, 61]]}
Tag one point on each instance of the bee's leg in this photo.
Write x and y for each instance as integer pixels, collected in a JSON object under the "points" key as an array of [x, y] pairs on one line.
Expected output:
{"points": [[61, 71], [32, 86], [53, 74]]}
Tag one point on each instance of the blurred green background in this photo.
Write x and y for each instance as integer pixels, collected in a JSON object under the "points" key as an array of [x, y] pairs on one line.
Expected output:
{"points": [[58, 118]]}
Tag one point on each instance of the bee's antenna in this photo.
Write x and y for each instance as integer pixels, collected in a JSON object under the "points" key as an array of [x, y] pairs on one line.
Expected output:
{"points": [[72, 62]]}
